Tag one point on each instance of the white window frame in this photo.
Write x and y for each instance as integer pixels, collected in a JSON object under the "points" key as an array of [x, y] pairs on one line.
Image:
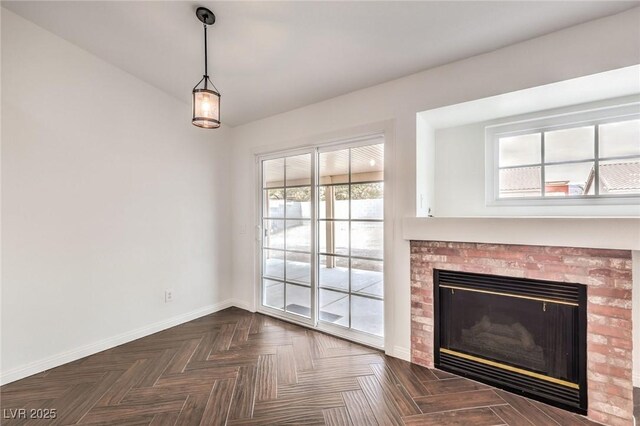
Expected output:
{"points": [[593, 117]]}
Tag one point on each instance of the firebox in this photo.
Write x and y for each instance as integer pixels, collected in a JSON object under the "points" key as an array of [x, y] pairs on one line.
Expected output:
{"points": [[525, 336]]}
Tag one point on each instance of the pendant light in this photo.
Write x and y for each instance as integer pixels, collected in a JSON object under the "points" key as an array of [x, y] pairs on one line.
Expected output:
{"points": [[206, 98]]}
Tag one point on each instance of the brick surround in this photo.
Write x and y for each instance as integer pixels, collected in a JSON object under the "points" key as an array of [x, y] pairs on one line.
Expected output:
{"points": [[607, 274]]}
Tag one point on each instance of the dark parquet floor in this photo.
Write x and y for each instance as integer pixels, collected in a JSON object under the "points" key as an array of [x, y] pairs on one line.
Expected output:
{"points": [[238, 368]]}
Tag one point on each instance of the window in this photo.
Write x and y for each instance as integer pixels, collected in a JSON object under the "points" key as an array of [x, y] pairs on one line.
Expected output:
{"points": [[597, 159]]}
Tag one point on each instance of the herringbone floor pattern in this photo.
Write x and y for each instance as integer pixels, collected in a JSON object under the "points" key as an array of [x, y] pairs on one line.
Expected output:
{"points": [[238, 368]]}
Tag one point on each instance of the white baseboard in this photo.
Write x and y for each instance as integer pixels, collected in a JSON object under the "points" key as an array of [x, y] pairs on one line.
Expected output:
{"points": [[242, 305], [92, 348], [636, 380], [402, 353]]}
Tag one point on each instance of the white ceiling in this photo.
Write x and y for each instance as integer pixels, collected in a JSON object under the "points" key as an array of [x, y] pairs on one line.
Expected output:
{"points": [[270, 57]]}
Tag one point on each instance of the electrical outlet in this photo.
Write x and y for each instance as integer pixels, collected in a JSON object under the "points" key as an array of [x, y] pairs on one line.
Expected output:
{"points": [[168, 296]]}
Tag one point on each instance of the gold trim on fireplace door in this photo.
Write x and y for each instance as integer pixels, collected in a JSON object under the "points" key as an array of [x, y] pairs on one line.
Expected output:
{"points": [[510, 368], [541, 299]]}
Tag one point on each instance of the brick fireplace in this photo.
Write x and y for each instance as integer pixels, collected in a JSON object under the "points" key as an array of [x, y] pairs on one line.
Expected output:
{"points": [[607, 275]]}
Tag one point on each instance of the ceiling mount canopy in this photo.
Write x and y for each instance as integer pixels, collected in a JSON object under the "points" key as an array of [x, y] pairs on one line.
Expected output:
{"points": [[205, 16], [205, 95]]}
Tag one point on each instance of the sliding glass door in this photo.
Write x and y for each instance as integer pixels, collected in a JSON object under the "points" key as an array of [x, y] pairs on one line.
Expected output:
{"points": [[350, 236], [287, 235], [322, 238]]}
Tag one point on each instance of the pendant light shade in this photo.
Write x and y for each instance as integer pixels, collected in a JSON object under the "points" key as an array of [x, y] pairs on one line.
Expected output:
{"points": [[206, 106], [205, 96]]}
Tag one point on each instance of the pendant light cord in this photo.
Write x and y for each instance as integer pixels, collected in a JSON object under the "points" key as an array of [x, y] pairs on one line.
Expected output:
{"points": [[206, 73]]}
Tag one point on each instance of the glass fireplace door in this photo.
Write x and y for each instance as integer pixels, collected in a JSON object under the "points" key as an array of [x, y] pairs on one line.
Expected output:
{"points": [[523, 335]]}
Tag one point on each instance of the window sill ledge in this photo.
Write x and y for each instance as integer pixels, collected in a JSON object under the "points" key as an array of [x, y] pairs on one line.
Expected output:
{"points": [[622, 233]]}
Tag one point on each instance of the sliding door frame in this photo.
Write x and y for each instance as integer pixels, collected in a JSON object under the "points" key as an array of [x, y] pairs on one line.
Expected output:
{"points": [[385, 135]]}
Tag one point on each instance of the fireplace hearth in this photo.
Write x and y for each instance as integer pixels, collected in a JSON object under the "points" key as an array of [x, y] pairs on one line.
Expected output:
{"points": [[524, 335]]}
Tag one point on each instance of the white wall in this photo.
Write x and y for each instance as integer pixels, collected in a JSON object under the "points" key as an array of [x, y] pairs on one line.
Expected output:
{"points": [[597, 46], [109, 196]]}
